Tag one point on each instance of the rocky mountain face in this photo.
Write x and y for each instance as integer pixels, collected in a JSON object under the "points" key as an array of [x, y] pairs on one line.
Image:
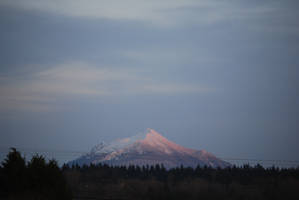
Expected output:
{"points": [[149, 148]]}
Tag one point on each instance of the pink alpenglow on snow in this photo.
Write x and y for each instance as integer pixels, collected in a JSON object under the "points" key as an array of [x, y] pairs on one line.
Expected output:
{"points": [[148, 148], [155, 140]]}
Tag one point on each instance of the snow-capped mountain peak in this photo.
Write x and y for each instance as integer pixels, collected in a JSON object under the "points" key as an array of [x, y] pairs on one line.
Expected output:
{"points": [[158, 142], [148, 147], [150, 137]]}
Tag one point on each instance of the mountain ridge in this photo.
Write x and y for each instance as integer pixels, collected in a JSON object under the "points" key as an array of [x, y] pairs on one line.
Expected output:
{"points": [[148, 148]]}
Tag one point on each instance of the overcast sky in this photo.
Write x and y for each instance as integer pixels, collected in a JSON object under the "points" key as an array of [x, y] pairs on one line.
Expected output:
{"points": [[216, 75]]}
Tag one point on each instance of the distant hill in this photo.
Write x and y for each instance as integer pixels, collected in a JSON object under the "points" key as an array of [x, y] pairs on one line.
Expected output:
{"points": [[149, 148]]}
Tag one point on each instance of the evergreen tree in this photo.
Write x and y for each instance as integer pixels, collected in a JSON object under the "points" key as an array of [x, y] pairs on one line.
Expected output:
{"points": [[36, 180], [13, 173]]}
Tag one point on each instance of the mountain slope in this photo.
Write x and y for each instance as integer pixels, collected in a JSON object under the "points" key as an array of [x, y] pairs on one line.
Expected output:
{"points": [[148, 148]]}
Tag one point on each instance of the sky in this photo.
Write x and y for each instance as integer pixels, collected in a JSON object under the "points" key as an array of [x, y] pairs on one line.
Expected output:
{"points": [[216, 75]]}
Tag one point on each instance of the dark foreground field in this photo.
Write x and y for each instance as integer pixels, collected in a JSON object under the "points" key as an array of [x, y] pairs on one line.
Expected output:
{"points": [[39, 179]]}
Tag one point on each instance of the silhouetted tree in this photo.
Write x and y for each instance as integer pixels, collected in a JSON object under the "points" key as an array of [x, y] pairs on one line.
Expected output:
{"points": [[13, 173], [36, 180]]}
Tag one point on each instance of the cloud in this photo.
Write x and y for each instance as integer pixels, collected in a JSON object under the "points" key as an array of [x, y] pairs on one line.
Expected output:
{"points": [[166, 12], [173, 56], [111, 9], [43, 90], [271, 16], [21, 98]]}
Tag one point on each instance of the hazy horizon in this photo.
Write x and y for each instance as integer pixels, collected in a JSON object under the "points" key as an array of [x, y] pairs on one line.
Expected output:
{"points": [[215, 75]]}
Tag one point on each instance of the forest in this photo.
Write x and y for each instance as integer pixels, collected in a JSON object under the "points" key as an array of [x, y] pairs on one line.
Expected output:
{"points": [[42, 179]]}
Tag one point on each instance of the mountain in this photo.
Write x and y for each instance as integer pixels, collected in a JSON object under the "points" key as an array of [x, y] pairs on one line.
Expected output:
{"points": [[148, 148]]}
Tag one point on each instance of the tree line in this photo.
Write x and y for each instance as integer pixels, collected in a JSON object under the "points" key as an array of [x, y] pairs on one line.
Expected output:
{"points": [[35, 179], [42, 179], [156, 182]]}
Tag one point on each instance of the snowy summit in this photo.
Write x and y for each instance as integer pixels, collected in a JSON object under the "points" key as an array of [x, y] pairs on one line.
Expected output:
{"points": [[148, 148]]}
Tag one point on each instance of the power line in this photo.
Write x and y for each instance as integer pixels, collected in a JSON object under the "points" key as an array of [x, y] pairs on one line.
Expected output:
{"points": [[71, 154], [258, 160], [39, 150]]}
